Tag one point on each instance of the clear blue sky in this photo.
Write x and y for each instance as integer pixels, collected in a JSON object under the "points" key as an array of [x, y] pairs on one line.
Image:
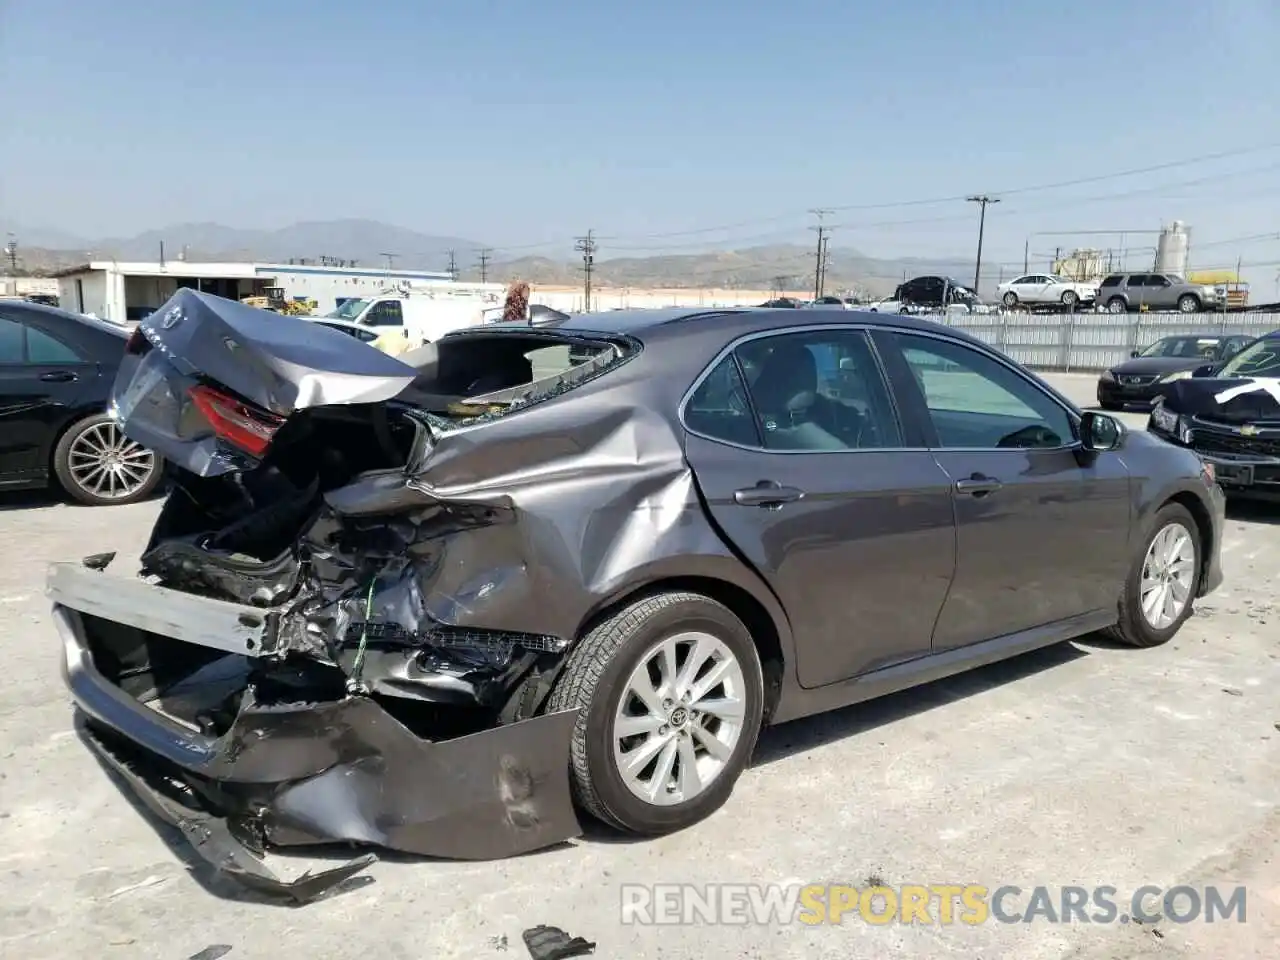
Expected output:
{"points": [[525, 123]]}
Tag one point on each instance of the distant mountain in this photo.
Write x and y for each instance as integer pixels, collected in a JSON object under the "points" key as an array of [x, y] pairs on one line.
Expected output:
{"points": [[366, 241], [754, 268]]}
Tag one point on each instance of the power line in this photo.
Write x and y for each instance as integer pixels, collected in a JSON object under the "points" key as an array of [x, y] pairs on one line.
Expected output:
{"points": [[1036, 188], [587, 247]]}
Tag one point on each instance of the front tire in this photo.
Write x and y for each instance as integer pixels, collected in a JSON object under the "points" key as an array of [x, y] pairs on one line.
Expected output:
{"points": [[1010, 299], [1160, 590], [1070, 299], [1117, 305], [1189, 303], [97, 465], [671, 695]]}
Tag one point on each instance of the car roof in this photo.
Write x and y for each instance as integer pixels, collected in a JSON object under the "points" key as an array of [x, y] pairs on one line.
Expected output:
{"points": [[27, 310], [659, 323]]}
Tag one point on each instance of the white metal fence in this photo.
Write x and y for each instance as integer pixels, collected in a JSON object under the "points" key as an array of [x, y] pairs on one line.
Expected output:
{"points": [[1096, 341]]}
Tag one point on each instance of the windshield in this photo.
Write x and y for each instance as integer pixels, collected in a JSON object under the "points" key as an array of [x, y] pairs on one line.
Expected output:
{"points": [[1260, 359], [349, 310], [1188, 347]]}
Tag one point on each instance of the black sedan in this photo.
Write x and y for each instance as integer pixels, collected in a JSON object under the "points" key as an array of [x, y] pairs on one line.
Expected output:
{"points": [[1230, 415], [1146, 375], [428, 602], [56, 372]]}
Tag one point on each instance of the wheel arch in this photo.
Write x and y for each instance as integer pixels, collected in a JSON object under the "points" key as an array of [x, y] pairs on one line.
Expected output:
{"points": [[1195, 506], [772, 639], [73, 416]]}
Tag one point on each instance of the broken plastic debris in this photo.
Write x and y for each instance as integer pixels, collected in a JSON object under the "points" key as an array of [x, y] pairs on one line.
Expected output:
{"points": [[552, 943]]}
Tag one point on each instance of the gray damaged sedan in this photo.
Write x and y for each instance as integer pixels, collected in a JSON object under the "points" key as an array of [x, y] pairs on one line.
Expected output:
{"points": [[445, 603]]}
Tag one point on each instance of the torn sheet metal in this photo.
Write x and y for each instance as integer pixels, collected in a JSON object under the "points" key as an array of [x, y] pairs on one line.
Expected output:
{"points": [[343, 770], [279, 362]]}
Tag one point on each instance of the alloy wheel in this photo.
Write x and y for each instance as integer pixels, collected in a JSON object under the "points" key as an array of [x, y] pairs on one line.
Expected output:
{"points": [[105, 463], [1168, 575], [680, 716]]}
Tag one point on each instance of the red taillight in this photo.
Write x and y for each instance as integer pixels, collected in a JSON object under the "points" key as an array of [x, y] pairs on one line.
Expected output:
{"points": [[236, 422]]}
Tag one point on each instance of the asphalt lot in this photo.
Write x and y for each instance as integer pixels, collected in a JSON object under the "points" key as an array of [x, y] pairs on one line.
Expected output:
{"points": [[1082, 764]]}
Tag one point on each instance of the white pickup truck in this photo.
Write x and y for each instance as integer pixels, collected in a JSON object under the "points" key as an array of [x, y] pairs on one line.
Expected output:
{"points": [[420, 317]]}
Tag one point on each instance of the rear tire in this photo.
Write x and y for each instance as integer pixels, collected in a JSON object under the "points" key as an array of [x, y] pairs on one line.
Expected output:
{"points": [[1168, 560], [94, 450], [600, 679]]}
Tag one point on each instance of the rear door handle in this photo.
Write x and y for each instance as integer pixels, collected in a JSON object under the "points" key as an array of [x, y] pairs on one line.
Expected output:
{"points": [[978, 485], [58, 376], [767, 494]]}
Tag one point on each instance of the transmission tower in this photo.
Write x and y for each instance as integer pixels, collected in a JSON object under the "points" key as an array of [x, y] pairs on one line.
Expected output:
{"points": [[485, 256]]}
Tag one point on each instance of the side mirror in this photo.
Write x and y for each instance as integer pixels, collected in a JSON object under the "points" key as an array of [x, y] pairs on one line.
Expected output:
{"points": [[1100, 433], [1134, 355], [1204, 370]]}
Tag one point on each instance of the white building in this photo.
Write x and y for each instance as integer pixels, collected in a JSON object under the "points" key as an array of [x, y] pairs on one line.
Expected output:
{"points": [[126, 292]]}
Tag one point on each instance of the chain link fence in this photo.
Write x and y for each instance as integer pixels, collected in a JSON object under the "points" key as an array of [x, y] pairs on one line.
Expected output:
{"points": [[1095, 341]]}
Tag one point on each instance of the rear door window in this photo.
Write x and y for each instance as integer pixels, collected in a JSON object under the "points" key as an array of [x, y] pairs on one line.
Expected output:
{"points": [[819, 390], [11, 342]]}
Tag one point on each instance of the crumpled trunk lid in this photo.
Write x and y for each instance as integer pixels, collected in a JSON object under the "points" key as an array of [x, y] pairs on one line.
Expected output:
{"points": [[261, 367]]}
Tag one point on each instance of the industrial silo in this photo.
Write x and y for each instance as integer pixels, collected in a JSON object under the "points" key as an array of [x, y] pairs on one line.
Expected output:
{"points": [[1171, 248]]}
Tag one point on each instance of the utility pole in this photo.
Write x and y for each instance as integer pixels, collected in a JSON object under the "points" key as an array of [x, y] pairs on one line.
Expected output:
{"points": [[11, 254], [453, 265], [485, 256], [780, 284], [822, 247], [587, 247], [982, 200], [390, 258], [1026, 257]]}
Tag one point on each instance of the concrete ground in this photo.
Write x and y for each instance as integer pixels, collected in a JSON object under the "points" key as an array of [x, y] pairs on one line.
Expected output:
{"points": [[1084, 764]]}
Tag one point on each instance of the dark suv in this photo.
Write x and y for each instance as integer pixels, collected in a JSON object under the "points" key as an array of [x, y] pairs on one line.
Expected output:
{"points": [[1127, 292]]}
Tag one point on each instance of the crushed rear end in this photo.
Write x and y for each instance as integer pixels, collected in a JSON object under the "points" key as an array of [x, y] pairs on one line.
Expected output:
{"points": [[335, 634]]}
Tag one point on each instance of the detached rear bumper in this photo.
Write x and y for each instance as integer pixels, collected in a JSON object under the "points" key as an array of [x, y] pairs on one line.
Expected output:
{"points": [[294, 774]]}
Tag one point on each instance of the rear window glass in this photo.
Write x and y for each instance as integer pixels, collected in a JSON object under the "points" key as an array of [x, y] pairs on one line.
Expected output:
{"points": [[1112, 281], [471, 378]]}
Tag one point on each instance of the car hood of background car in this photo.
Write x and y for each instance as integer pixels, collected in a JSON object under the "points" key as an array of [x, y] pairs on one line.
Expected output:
{"points": [[1146, 366], [1232, 400]]}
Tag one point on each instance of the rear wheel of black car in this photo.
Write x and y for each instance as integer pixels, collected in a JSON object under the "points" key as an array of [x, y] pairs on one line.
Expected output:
{"points": [[671, 696], [97, 465], [1161, 588]]}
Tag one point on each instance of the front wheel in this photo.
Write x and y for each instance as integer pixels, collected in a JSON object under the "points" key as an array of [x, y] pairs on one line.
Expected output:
{"points": [[1116, 305], [671, 696], [97, 465], [1162, 584], [1010, 299], [1189, 303], [1070, 298]]}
